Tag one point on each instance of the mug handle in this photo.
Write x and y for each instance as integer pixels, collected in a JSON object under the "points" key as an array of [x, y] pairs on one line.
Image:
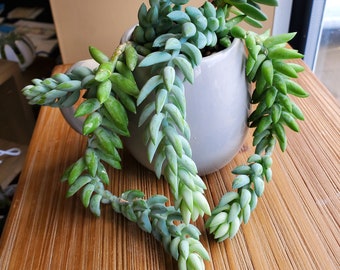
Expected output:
{"points": [[68, 112]]}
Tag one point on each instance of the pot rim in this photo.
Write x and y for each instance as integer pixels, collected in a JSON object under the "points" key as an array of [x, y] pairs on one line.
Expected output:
{"points": [[236, 41]]}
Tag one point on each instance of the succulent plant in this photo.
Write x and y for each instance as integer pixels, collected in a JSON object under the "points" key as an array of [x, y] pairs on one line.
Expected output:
{"points": [[173, 37]]}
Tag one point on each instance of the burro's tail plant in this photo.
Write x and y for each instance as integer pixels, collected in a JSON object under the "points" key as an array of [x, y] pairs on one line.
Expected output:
{"points": [[173, 38]]}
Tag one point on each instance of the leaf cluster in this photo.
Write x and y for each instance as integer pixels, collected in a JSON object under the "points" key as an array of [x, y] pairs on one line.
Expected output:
{"points": [[173, 37]]}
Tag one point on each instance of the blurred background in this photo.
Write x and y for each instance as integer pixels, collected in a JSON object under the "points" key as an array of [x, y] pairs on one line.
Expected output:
{"points": [[327, 62], [318, 25]]}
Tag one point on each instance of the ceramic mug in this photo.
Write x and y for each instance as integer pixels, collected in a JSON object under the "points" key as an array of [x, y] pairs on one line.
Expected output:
{"points": [[217, 110]]}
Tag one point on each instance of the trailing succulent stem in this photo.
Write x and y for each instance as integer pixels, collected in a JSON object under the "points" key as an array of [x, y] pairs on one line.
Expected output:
{"points": [[266, 67], [153, 216], [173, 39]]}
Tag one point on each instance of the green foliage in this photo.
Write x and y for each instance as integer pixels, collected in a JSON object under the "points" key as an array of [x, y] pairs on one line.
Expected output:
{"points": [[173, 40]]}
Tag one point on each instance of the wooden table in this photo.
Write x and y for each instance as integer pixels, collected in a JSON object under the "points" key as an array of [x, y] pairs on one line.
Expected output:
{"points": [[295, 225]]}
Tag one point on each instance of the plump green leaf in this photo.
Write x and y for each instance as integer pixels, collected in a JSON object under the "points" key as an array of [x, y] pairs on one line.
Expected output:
{"points": [[185, 67], [87, 106], [155, 58]]}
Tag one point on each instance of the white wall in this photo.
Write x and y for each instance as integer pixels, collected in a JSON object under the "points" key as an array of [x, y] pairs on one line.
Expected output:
{"points": [[80, 23]]}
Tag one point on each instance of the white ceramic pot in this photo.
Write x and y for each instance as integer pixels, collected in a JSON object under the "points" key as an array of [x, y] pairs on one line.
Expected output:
{"points": [[217, 110], [19, 49]]}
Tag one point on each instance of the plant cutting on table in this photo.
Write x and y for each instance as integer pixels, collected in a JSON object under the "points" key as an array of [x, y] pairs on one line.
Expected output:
{"points": [[171, 39]]}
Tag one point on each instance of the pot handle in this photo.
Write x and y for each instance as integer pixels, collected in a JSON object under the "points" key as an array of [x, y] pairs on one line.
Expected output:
{"points": [[68, 112]]}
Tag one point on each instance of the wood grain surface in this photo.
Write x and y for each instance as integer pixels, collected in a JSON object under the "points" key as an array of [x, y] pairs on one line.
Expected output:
{"points": [[295, 225]]}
